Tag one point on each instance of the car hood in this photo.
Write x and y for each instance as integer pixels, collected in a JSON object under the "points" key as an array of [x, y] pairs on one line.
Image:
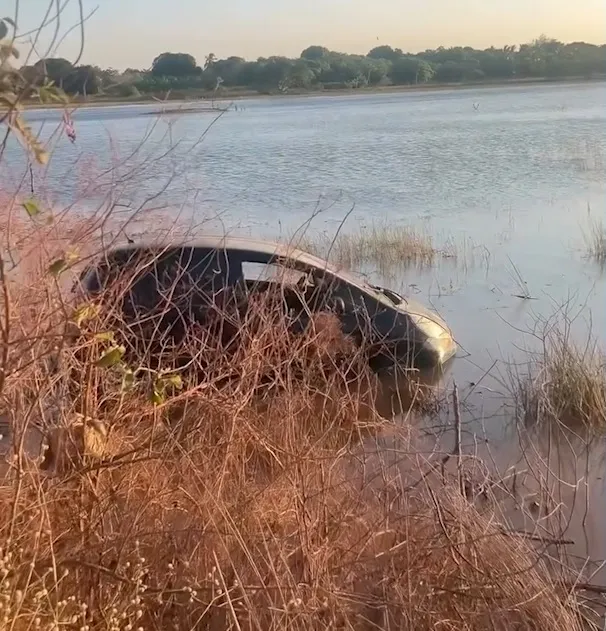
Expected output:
{"points": [[408, 305], [426, 320]]}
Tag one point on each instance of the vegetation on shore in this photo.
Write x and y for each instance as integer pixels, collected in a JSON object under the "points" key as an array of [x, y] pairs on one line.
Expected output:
{"points": [[198, 100], [318, 68], [256, 489]]}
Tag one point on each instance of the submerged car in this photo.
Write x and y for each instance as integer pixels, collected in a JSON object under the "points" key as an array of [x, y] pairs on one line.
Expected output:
{"points": [[181, 281]]}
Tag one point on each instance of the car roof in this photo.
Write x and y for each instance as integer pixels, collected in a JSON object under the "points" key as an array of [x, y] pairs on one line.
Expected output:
{"points": [[273, 249], [250, 244]]}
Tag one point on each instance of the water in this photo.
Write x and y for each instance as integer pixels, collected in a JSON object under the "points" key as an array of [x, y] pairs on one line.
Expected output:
{"points": [[511, 183]]}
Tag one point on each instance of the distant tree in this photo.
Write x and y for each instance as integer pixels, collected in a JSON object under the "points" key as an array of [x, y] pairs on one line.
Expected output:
{"points": [[229, 69], [31, 74], [405, 70], [272, 73], [579, 59], [376, 71], [130, 75], [209, 60], [441, 55], [107, 76], [344, 69], [300, 75], [411, 70], [458, 71], [54, 69], [174, 65], [318, 65], [247, 74], [385, 52], [314, 52], [425, 72], [498, 63], [123, 89], [83, 80]]}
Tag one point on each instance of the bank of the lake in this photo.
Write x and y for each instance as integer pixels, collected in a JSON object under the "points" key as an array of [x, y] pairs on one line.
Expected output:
{"points": [[216, 100]]}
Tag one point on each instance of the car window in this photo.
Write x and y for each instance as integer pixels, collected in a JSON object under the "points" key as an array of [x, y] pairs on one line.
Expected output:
{"points": [[270, 272]]}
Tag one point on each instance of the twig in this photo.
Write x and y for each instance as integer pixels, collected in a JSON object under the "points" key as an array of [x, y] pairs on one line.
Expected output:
{"points": [[587, 587], [457, 445], [522, 284], [456, 451], [532, 537]]}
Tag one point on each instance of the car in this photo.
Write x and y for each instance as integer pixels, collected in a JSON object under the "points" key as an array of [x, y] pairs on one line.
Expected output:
{"points": [[207, 273]]}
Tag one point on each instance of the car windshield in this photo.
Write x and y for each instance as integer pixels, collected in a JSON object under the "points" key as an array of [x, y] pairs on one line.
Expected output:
{"points": [[383, 295]]}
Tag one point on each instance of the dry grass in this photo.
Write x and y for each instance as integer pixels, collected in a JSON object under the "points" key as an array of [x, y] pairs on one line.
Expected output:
{"points": [[385, 246], [243, 495], [594, 237], [563, 383]]}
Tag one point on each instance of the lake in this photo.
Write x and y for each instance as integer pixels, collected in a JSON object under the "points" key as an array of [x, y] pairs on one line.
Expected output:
{"points": [[508, 178]]}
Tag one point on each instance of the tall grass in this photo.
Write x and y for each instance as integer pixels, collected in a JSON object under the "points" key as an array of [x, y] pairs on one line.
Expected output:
{"points": [[595, 240], [562, 383], [186, 486], [385, 246]]}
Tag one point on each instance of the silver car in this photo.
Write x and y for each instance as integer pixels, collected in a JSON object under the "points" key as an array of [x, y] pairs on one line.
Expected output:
{"points": [[390, 328]]}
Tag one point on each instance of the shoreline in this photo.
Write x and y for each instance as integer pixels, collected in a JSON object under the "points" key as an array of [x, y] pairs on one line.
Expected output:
{"points": [[240, 95]]}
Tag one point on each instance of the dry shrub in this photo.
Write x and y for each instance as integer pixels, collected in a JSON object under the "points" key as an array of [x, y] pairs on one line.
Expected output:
{"points": [[564, 383], [181, 542], [386, 246], [234, 497], [594, 237]]}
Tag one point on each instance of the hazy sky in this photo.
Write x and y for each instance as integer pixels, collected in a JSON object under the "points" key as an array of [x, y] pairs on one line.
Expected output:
{"points": [[124, 33]]}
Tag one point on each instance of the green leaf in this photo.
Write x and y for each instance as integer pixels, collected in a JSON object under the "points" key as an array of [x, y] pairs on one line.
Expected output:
{"points": [[128, 380], [31, 207], [104, 336], [58, 266], [84, 313], [173, 380], [111, 357], [3, 29], [157, 397]]}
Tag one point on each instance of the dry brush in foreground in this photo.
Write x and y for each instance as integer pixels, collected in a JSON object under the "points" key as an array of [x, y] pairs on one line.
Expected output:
{"points": [[233, 493]]}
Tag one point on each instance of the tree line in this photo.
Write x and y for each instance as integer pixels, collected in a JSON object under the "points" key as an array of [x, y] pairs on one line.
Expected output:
{"points": [[320, 68]]}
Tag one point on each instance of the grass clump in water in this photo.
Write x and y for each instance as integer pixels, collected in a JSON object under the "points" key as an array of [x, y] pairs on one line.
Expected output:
{"points": [[595, 241], [564, 383], [386, 246]]}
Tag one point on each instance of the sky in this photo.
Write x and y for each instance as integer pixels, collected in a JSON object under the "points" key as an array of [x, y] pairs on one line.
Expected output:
{"points": [[130, 33]]}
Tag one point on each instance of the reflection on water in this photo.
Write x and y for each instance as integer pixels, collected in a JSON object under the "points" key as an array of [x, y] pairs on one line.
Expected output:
{"points": [[548, 480], [506, 190], [401, 393]]}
